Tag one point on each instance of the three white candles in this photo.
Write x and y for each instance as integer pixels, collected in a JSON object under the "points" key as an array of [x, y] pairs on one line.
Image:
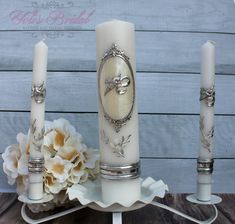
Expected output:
{"points": [[35, 191], [118, 119], [207, 97]]}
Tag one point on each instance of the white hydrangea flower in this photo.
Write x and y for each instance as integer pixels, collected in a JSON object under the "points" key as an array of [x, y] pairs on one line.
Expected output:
{"points": [[11, 157], [84, 177], [52, 185], [21, 184], [68, 161], [77, 170], [23, 141], [58, 167], [23, 165], [91, 156], [62, 139]]}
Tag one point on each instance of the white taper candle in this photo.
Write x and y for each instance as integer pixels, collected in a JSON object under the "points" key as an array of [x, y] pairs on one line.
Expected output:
{"points": [[35, 191], [204, 182]]}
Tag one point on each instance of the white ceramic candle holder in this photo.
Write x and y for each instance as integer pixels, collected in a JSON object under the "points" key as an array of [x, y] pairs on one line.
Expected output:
{"points": [[90, 196]]}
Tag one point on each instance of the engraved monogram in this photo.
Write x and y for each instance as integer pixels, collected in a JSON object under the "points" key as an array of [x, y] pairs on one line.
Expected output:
{"points": [[119, 83]]}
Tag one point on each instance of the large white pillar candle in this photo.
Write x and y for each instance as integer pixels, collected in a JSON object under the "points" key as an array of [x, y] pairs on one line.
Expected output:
{"points": [[207, 97], [118, 119], [35, 191]]}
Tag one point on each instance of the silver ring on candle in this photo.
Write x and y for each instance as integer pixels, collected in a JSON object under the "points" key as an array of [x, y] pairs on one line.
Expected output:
{"points": [[122, 172], [38, 92], [208, 95], [205, 166], [36, 165]]}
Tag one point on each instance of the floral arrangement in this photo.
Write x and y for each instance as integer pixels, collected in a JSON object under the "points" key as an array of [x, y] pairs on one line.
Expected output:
{"points": [[68, 162]]}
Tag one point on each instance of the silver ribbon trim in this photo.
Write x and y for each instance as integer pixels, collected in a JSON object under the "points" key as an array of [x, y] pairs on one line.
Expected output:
{"points": [[208, 95], [205, 166], [36, 165], [38, 92], [122, 172]]}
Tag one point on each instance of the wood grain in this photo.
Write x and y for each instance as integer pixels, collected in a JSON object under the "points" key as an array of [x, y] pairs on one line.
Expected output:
{"points": [[178, 174], [164, 15], [75, 51], [67, 92], [146, 215], [161, 136]]}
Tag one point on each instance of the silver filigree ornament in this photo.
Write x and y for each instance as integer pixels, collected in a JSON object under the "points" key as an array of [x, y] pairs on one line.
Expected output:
{"points": [[119, 82], [206, 137], [38, 136], [38, 92], [208, 96], [117, 145]]}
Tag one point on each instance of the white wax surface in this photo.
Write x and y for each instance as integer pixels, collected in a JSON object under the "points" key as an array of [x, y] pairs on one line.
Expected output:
{"points": [[40, 63], [127, 191], [122, 34], [35, 191], [208, 64], [207, 81]]}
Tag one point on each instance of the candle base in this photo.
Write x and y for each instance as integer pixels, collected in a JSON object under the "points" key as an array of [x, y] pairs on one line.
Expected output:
{"points": [[25, 199], [214, 199], [122, 191], [91, 198]]}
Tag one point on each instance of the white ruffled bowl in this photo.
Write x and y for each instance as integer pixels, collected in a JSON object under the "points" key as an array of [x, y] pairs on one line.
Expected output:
{"points": [[89, 194]]}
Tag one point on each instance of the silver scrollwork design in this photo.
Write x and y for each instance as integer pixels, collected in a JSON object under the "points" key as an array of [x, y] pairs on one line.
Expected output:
{"points": [[38, 136], [119, 83], [206, 137], [38, 92], [208, 95]]}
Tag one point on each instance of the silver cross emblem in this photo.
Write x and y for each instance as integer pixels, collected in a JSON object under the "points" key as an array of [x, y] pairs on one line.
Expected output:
{"points": [[119, 83]]}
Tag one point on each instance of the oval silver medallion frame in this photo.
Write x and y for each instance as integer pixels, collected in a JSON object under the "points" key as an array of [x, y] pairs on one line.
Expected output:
{"points": [[114, 51]]}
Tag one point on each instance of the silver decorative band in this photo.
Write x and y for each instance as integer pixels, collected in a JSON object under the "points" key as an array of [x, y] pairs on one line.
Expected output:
{"points": [[38, 92], [205, 166], [36, 165], [208, 95], [122, 172]]}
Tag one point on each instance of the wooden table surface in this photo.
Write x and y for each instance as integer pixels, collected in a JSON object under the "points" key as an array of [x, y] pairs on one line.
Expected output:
{"points": [[10, 212]]}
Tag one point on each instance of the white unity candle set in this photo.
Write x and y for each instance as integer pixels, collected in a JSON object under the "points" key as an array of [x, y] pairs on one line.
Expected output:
{"points": [[118, 117]]}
